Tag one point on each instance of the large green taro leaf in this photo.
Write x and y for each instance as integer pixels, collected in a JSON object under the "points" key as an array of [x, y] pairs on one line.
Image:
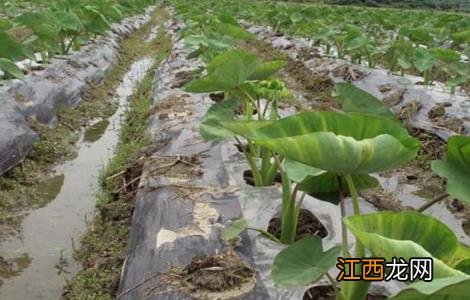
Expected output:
{"points": [[455, 288], [353, 99], [225, 72], [446, 55], [211, 128], [267, 69], [456, 168], [10, 48], [335, 142], [11, 68], [234, 31], [303, 262], [324, 185], [231, 69], [408, 235]]}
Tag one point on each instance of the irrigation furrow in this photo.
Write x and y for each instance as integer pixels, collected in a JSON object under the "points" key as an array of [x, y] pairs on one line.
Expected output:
{"points": [[38, 258]]}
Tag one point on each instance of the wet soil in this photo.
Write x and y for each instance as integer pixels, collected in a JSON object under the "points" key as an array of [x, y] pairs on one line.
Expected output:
{"points": [[95, 131], [218, 273], [326, 292], [48, 233], [103, 246], [308, 225]]}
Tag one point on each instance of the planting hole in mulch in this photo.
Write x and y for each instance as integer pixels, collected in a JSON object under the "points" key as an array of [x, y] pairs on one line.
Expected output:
{"points": [[308, 225], [249, 179], [218, 276], [326, 292], [216, 97], [432, 147], [348, 73]]}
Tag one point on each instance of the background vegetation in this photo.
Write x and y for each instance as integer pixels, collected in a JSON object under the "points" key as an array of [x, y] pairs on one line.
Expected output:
{"points": [[456, 5]]}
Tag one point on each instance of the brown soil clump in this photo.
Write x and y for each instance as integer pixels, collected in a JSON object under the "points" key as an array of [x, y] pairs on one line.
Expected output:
{"points": [[308, 225], [408, 111], [394, 98], [218, 274], [326, 292], [348, 73], [172, 105]]}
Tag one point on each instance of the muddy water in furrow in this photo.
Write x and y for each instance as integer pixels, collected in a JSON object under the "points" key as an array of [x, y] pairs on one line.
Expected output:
{"points": [[38, 261]]}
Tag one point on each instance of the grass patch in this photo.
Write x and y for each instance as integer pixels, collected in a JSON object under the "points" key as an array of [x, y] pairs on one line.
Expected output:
{"points": [[103, 246], [19, 186]]}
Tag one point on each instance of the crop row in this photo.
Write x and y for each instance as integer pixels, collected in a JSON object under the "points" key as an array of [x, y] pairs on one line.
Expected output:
{"points": [[431, 44], [63, 26], [329, 155]]}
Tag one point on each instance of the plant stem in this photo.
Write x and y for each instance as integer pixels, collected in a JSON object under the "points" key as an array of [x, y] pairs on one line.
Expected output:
{"points": [[253, 103], [70, 44], [432, 202], [354, 195], [254, 169], [290, 211], [271, 173], [344, 232], [265, 164], [333, 285], [360, 251], [266, 234]]}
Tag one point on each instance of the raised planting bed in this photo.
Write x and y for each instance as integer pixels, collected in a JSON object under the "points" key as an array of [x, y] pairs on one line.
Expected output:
{"points": [[61, 83], [205, 227]]}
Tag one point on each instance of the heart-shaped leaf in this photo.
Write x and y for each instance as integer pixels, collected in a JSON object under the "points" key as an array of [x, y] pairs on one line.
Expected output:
{"points": [[324, 185], [408, 235], [456, 167], [303, 262], [446, 55], [10, 48], [353, 99], [339, 143], [11, 69], [455, 287], [225, 72], [267, 69], [234, 31], [212, 127]]}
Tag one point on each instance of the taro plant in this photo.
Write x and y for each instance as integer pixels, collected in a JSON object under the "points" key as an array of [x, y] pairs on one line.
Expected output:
{"points": [[335, 152], [388, 235], [448, 62], [385, 235], [62, 26], [245, 83], [214, 36], [456, 169], [10, 51]]}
